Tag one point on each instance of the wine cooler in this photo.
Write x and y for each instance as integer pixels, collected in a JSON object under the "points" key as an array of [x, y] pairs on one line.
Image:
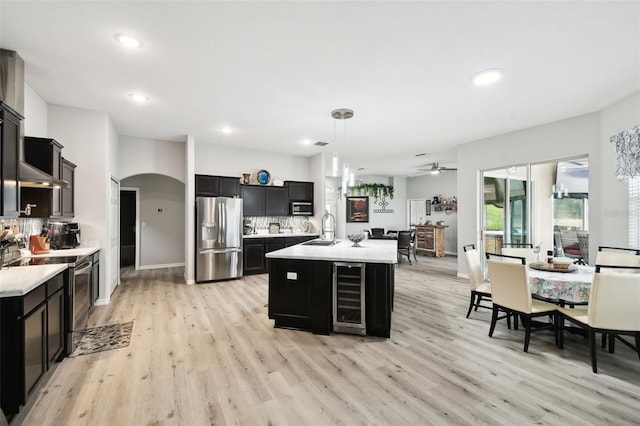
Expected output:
{"points": [[348, 298]]}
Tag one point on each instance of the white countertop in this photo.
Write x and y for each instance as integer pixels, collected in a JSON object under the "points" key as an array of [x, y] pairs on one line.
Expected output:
{"points": [[20, 280], [80, 251], [372, 251], [282, 234]]}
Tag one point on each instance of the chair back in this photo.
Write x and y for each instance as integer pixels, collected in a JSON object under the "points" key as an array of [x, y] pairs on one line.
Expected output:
{"points": [[404, 239], [510, 285], [507, 258], [527, 253], [617, 258], [474, 267], [614, 301], [377, 232]]}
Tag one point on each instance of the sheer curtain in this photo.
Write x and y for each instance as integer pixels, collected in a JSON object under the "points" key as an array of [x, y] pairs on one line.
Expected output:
{"points": [[634, 212]]}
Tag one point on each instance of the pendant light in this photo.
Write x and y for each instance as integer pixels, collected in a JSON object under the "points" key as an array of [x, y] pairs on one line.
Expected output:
{"points": [[348, 177]]}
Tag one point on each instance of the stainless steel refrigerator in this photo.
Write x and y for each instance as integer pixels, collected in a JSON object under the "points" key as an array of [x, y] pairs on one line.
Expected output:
{"points": [[218, 238]]}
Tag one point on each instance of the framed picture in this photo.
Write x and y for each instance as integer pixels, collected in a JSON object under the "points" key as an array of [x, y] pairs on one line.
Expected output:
{"points": [[427, 209], [357, 209]]}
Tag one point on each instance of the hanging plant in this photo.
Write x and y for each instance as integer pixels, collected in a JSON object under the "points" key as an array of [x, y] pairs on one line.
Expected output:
{"points": [[375, 190]]}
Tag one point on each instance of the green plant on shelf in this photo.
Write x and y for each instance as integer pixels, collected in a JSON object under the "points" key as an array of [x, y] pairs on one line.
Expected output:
{"points": [[376, 190]]}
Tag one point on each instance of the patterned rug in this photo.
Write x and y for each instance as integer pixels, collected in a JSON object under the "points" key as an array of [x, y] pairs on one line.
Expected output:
{"points": [[102, 338]]}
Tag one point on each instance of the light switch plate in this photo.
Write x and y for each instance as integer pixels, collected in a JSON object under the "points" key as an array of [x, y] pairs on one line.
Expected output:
{"points": [[292, 275]]}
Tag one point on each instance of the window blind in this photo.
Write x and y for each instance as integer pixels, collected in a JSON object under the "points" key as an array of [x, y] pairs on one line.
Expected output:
{"points": [[634, 212]]}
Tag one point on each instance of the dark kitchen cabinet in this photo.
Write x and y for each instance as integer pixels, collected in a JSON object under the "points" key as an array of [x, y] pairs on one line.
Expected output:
{"points": [[9, 160], [32, 333], [45, 154], [268, 245], [95, 278], [300, 191], [68, 194], [217, 186], [300, 294], [229, 186], [252, 200], [290, 293], [207, 186], [253, 256], [276, 203]]}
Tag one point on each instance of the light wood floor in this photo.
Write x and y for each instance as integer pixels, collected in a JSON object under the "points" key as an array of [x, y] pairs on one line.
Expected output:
{"points": [[208, 354]]}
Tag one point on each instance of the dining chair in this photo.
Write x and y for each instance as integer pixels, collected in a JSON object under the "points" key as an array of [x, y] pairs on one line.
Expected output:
{"points": [[377, 232], [404, 245], [526, 252], [614, 309], [511, 293], [480, 288], [413, 244], [620, 256]]}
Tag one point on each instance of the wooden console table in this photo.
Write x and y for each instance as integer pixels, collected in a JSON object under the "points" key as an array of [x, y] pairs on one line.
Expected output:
{"points": [[430, 239]]}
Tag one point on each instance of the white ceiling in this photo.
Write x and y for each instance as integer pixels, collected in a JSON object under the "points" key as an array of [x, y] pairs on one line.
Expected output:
{"points": [[273, 71]]}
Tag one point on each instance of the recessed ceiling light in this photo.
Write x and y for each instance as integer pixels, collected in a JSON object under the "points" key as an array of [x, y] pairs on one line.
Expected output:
{"points": [[128, 41], [225, 129], [306, 142], [138, 97], [487, 77]]}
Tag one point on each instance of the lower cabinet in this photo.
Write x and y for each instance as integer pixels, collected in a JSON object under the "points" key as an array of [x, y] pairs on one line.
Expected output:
{"points": [[32, 339], [95, 278], [253, 261], [301, 295], [254, 250]]}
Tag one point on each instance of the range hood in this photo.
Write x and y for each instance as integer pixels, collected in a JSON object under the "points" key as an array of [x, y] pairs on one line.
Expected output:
{"points": [[33, 177], [12, 94]]}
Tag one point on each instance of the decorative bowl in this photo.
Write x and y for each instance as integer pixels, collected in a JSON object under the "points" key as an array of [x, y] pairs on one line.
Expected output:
{"points": [[263, 177], [355, 239]]}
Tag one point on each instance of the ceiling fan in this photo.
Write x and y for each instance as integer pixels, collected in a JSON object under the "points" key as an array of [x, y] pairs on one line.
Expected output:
{"points": [[435, 169]]}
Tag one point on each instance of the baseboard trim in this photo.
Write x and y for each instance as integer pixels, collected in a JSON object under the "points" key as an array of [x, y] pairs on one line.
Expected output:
{"points": [[465, 276], [101, 302], [165, 265]]}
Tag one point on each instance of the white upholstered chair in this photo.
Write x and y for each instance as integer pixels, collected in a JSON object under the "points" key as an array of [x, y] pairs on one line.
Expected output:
{"points": [[525, 252], [614, 309], [480, 289], [511, 293]]}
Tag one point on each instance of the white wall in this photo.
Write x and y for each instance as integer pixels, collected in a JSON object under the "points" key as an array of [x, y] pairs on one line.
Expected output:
{"points": [[588, 134], [426, 187], [224, 161], [36, 114], [394, 221], [162, 237], [613, 208], [85, 136], [141, 156]]}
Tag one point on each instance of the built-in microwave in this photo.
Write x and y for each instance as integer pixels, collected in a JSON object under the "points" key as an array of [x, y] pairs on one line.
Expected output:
{"points": [[301, 208]]}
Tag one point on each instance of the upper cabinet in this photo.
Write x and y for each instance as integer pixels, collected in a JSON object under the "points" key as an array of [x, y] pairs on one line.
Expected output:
{"points": [[258, 200], [217, 186], [252, 200], [45, 154], [300, 191], [9, 160], [68, 181]]}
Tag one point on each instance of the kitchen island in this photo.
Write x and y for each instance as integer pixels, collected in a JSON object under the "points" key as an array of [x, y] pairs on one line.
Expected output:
{"points": [[302, 284]]}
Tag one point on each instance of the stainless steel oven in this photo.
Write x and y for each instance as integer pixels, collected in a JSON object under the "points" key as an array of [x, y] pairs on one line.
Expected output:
{"points": [[78, 299]]}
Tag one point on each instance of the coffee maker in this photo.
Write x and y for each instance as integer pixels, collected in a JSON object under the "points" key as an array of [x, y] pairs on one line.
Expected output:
{"points": [[64, 235]]}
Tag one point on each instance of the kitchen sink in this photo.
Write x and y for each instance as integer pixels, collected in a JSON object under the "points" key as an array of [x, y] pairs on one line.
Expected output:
{"points": [[325, 243]]}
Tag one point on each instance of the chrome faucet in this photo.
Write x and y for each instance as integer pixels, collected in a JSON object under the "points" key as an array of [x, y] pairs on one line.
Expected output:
{"points": [[328, 226], [27, 209]]}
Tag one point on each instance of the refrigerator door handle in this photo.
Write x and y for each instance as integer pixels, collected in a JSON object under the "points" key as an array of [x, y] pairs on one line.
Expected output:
{"points": [[218, 251]]}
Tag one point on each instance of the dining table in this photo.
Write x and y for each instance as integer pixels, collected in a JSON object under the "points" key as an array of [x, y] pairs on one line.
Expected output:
{"points": [[568, 287]]}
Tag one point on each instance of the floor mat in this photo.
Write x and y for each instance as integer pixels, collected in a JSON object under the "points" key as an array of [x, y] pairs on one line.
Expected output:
{"points": [[103, 338]]}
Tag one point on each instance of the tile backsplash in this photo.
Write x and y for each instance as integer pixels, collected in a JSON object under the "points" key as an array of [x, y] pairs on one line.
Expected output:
{"points": [[26, 226], [292, 223]]}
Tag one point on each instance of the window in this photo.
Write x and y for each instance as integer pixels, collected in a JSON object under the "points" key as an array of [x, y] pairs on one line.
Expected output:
{"points": [[634, 212]]}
